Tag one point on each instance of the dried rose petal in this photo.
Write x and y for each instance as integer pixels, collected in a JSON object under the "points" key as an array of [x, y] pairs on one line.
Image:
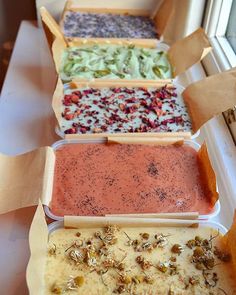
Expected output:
{"points": [[69, 116], [72, 130]]}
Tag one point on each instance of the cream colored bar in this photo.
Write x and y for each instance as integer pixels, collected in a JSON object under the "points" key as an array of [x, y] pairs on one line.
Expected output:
{"points": [[58, 97]]}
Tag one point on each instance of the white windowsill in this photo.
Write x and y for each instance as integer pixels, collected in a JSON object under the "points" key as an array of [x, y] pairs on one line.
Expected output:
{"points": [[222, 152]]}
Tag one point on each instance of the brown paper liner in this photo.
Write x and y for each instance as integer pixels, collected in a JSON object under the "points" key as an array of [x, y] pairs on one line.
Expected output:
{"points": [[188, 51], [230, 241], [210, 96], [38, 240], [208, 177], [25, 179], [162, 16], [52, 29]]}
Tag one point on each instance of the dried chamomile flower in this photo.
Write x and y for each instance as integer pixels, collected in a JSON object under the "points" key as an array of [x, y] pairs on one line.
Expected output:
{"points": [[148, 280], [211, 279], [198, 252], [109, 262], [191, 243], [56, 289], [177, 249], [173, 259], [173, 269], [120, 266], [202, 257], [52, 250], [79, 281], [119, 290], [111, 229], [76, 255], [138, 279], [91, 257], [198, 240], [74, 283], [161, 240], [163, 267], [193, 280], [171, 291], [145, 236], [146, 246], [97, 234], [144, 264], [125, 279]]}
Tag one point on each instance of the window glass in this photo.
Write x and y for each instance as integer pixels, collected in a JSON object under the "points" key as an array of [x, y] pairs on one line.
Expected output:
{"points": [[231, 28]]}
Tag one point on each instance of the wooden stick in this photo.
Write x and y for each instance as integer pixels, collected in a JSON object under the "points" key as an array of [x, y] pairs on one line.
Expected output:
{"points": [[146, 43], [183, 216], [146, 140], [125, 11], [186, 135], [92, 221], [181, 135], [98, 83]]}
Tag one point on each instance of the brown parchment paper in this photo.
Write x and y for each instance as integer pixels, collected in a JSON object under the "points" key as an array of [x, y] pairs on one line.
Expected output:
{"points": [[162, 16], [51, 28], [26, 178], [208, 177], [182, 55], [38, 240], [210, 96], [230, 241], [188, 51]]}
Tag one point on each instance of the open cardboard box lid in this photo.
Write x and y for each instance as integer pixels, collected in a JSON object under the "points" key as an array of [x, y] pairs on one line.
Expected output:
{"points": [[182, 54]]}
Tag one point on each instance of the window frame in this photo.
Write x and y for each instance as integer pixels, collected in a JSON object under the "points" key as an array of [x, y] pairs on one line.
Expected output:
{"points": [[216, 132], [215, 24]]}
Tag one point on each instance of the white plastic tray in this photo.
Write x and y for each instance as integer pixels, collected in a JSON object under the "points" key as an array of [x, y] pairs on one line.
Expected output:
{"points": [[61, 143]]}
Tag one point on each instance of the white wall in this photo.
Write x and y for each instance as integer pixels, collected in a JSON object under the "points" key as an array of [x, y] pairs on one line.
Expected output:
{"points": [[12, 12]]}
